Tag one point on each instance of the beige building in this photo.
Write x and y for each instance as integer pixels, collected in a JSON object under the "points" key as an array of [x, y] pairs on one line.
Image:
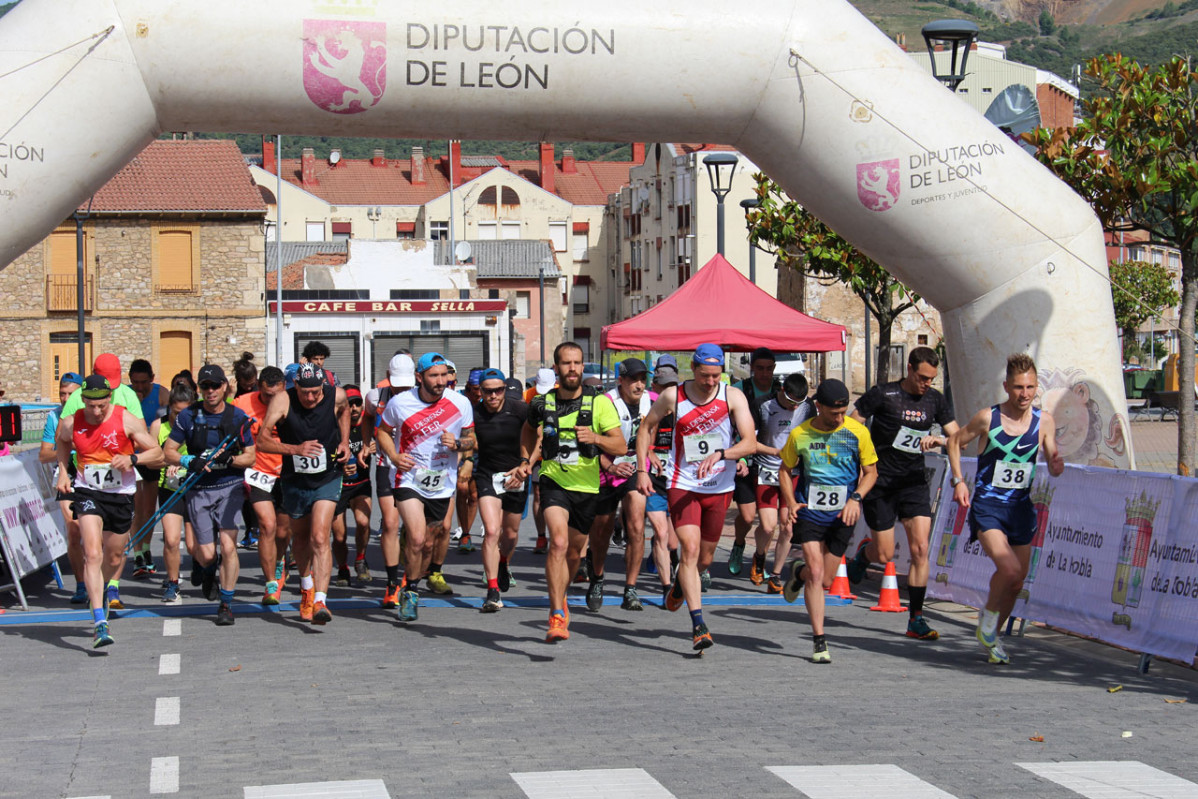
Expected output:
{"points": [[173, 272]]}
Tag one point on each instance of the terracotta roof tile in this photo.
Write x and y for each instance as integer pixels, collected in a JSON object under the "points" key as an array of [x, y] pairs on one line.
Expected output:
{"points": [[182, 176], [293, 273]]}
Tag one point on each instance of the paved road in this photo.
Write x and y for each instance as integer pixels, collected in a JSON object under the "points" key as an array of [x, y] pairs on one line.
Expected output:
{"points": [[457, 703]]}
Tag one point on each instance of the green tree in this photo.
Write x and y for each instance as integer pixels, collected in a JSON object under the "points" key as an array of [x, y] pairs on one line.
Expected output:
{"points": [[1140, 291], [1135, 158], [801, 241], [1047, 23]]}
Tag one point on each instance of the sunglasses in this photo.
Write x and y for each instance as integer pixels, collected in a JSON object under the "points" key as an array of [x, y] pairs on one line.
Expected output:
{"points": [[355, 401], [210, 386], [499, 390]]}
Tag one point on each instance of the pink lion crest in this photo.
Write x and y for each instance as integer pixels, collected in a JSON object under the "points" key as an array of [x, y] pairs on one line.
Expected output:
{"points": [[878, 184], [345, 64]]}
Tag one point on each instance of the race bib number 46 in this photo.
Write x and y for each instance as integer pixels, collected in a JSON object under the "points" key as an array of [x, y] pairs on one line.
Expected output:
{"points": [[261, 480], [827, 498], [699, 446], [1010, 475]]}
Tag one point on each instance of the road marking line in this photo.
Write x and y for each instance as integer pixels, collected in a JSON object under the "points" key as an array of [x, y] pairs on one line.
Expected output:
{"points": [[169, 664], [91, 797], [166, 711], [349, 789], [164, 775], [851, 782], [1114, 779], [604, 783], [171, 627]]}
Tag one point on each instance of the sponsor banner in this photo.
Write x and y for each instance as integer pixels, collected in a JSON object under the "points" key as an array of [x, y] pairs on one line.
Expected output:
{"points": [[934, 467], [1115, 557], [29, 516], [391, 306]]}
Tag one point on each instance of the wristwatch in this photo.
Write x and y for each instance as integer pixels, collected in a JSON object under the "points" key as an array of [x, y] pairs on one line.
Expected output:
{"points": [[133, 459], [956, 481], [855, 496]]}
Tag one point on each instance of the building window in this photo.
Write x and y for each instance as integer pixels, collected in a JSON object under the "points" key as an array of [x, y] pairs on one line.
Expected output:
{"points": [[438, 231], [488, 231], [415, 294], [581, 246], [492, 294], [523, 300], [342, 231], [405, 230], [344, 353], [325, 294], [509, 231], [174, 352], [922, 339], [430, 325], [557, 236], [61, 273], [582, 337], [582, 298], [176, 257], [314, 231]]}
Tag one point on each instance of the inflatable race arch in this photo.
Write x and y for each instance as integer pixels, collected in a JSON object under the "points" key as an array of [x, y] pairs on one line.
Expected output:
{"points": [[811, 91]]}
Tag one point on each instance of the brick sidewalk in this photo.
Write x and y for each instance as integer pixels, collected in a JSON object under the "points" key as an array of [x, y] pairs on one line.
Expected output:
{"points": [[1156, 445]]}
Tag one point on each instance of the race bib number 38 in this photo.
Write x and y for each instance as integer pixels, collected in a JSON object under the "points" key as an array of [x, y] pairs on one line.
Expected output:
{"points": [[699, 446], [827, 498], [1010, 475]]}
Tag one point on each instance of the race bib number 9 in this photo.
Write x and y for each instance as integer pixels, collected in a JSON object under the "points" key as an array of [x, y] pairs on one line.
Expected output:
{"points": [[261, 480], [827, 498], [908, 440], [102, 477], [699, 446], [429, 481], [1011, 475], [310, 464]]}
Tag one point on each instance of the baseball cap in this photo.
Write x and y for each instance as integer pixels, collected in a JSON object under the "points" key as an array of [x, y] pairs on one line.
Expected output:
{"points": [[450, 365], [514, 386], [289, 374], [489, 374], [592, 382], [428, 360], [666, 360], [632, 367], [210, 373], [353, 392], [832, 393], [476, 376], [708, 355], [545, 380], [109, 366], [308, 375], [401, 372], [71, 377], [665, 375], [96, 387]]}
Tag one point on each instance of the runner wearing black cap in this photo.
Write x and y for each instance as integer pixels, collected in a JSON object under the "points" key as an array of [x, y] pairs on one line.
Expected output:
{"points": [[308, 425], [832, 460], [215, 501], [758, 387], [108, 443], [356, 491], [466, 499]]}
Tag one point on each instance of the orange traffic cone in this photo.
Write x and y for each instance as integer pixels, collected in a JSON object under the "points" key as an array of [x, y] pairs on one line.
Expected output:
{"points": [[888, 601], [840, 586]]}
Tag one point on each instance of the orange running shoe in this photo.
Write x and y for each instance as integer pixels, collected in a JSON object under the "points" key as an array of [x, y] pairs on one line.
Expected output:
{"points": [[277, 596], [320, 613], [307, 596], [559, 629], [702, 637], [674, 597], [757, 571], [774, 586], [391, 596]]}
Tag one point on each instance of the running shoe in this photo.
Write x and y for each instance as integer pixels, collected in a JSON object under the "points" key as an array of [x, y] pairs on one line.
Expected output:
{"points": [[998, 655], [820, 654], [632, 600], [224, 615], [859, 564], [988, 641], [102, 637], [505, 578], [307, 598], [794, 586], [493, 602], [249, 540], [736, 559], [271, 595], [559, 628], [363, 571], [917, 627], [617, 536], [581, 576], [140, 569], [391, 596], [456, 535], [757, 571], [465, 545], [320, 613], [409, 605], [342, 577], [705, 580], [170, 593], [774, 585], [80, 595], [112, 598], [541, 547], [281, 571], [208, 584], [436, 582], [674, 597], [151, 569], [702, 637], [595, 595]]}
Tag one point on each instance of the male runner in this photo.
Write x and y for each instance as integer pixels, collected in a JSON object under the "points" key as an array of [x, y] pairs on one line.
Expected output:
{"points": [[263, 491], [466, 498], [315, 353], [543, 383], [832, 460], [657, 507], [573, 425], [103, 436], [69, 383], [434, 426], [758, 387], [709, 414], [154, 399], [502, 492], [356, 488], [174, 510], [617, 489], [775, 418], [1001, 515], [213, 504], [401, 376], [902, 414], [308, 425]]}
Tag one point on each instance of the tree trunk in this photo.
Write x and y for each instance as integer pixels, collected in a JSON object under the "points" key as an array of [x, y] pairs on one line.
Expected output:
{"points": [[1185, 364], [882, 372]]}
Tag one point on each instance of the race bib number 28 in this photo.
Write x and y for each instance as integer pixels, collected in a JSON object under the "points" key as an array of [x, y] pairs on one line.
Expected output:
{"points": [[827, 498]]}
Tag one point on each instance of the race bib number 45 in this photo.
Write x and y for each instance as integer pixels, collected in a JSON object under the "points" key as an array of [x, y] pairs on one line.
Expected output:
{"points": [[699, 446], [429, 481], [1010, 475], [827, 498]]}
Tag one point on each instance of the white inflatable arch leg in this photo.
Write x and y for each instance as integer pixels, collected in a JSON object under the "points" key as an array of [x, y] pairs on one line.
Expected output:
{"points": [[812, 92]]}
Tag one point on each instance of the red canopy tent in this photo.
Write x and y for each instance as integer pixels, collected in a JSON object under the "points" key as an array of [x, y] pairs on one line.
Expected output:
{"points": [[719, 305]]}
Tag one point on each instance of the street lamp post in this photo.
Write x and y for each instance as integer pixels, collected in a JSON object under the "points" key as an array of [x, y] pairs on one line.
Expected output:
{"points": [[749, 205], [80, 286], [958, 34], [720, 169]]}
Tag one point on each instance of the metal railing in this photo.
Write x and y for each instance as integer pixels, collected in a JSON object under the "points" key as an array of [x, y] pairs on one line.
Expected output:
{"points": [[62, 293]]}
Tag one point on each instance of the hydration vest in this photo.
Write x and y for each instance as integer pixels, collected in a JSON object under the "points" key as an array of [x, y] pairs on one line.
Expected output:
{"points": [[551, 437], [204, 422]]}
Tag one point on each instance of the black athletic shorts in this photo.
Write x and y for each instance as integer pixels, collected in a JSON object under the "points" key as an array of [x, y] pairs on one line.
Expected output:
{"points": [[382, 479], [745, 490], [274, 496], [177, 508], [149, 475], [434, 509], [581, 506], [512, 501], [610, 497], [886, 503], [115, 510], [350, 492], [836, 535], [1017, 519]]}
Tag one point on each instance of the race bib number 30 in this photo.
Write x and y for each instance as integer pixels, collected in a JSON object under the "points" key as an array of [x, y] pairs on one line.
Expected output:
{"points": [[1011, 475], [827, 498], [310, 464], [699, 446], [908, 440]]}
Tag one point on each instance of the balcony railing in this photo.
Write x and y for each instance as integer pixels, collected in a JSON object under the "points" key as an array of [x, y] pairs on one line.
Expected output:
{"points": [[62, 293]]}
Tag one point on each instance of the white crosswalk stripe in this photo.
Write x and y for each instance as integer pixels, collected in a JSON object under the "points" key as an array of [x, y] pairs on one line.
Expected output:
{"points": [[348, 789], [164, 775], [611, 783], [852, 782], [1114, 779]]}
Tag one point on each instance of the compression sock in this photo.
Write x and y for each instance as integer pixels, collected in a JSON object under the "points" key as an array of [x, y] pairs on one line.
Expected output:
{"points": [[696, 617], [915, 595], [393, 577], [226, 596], [493, 582], [97, 615]]}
